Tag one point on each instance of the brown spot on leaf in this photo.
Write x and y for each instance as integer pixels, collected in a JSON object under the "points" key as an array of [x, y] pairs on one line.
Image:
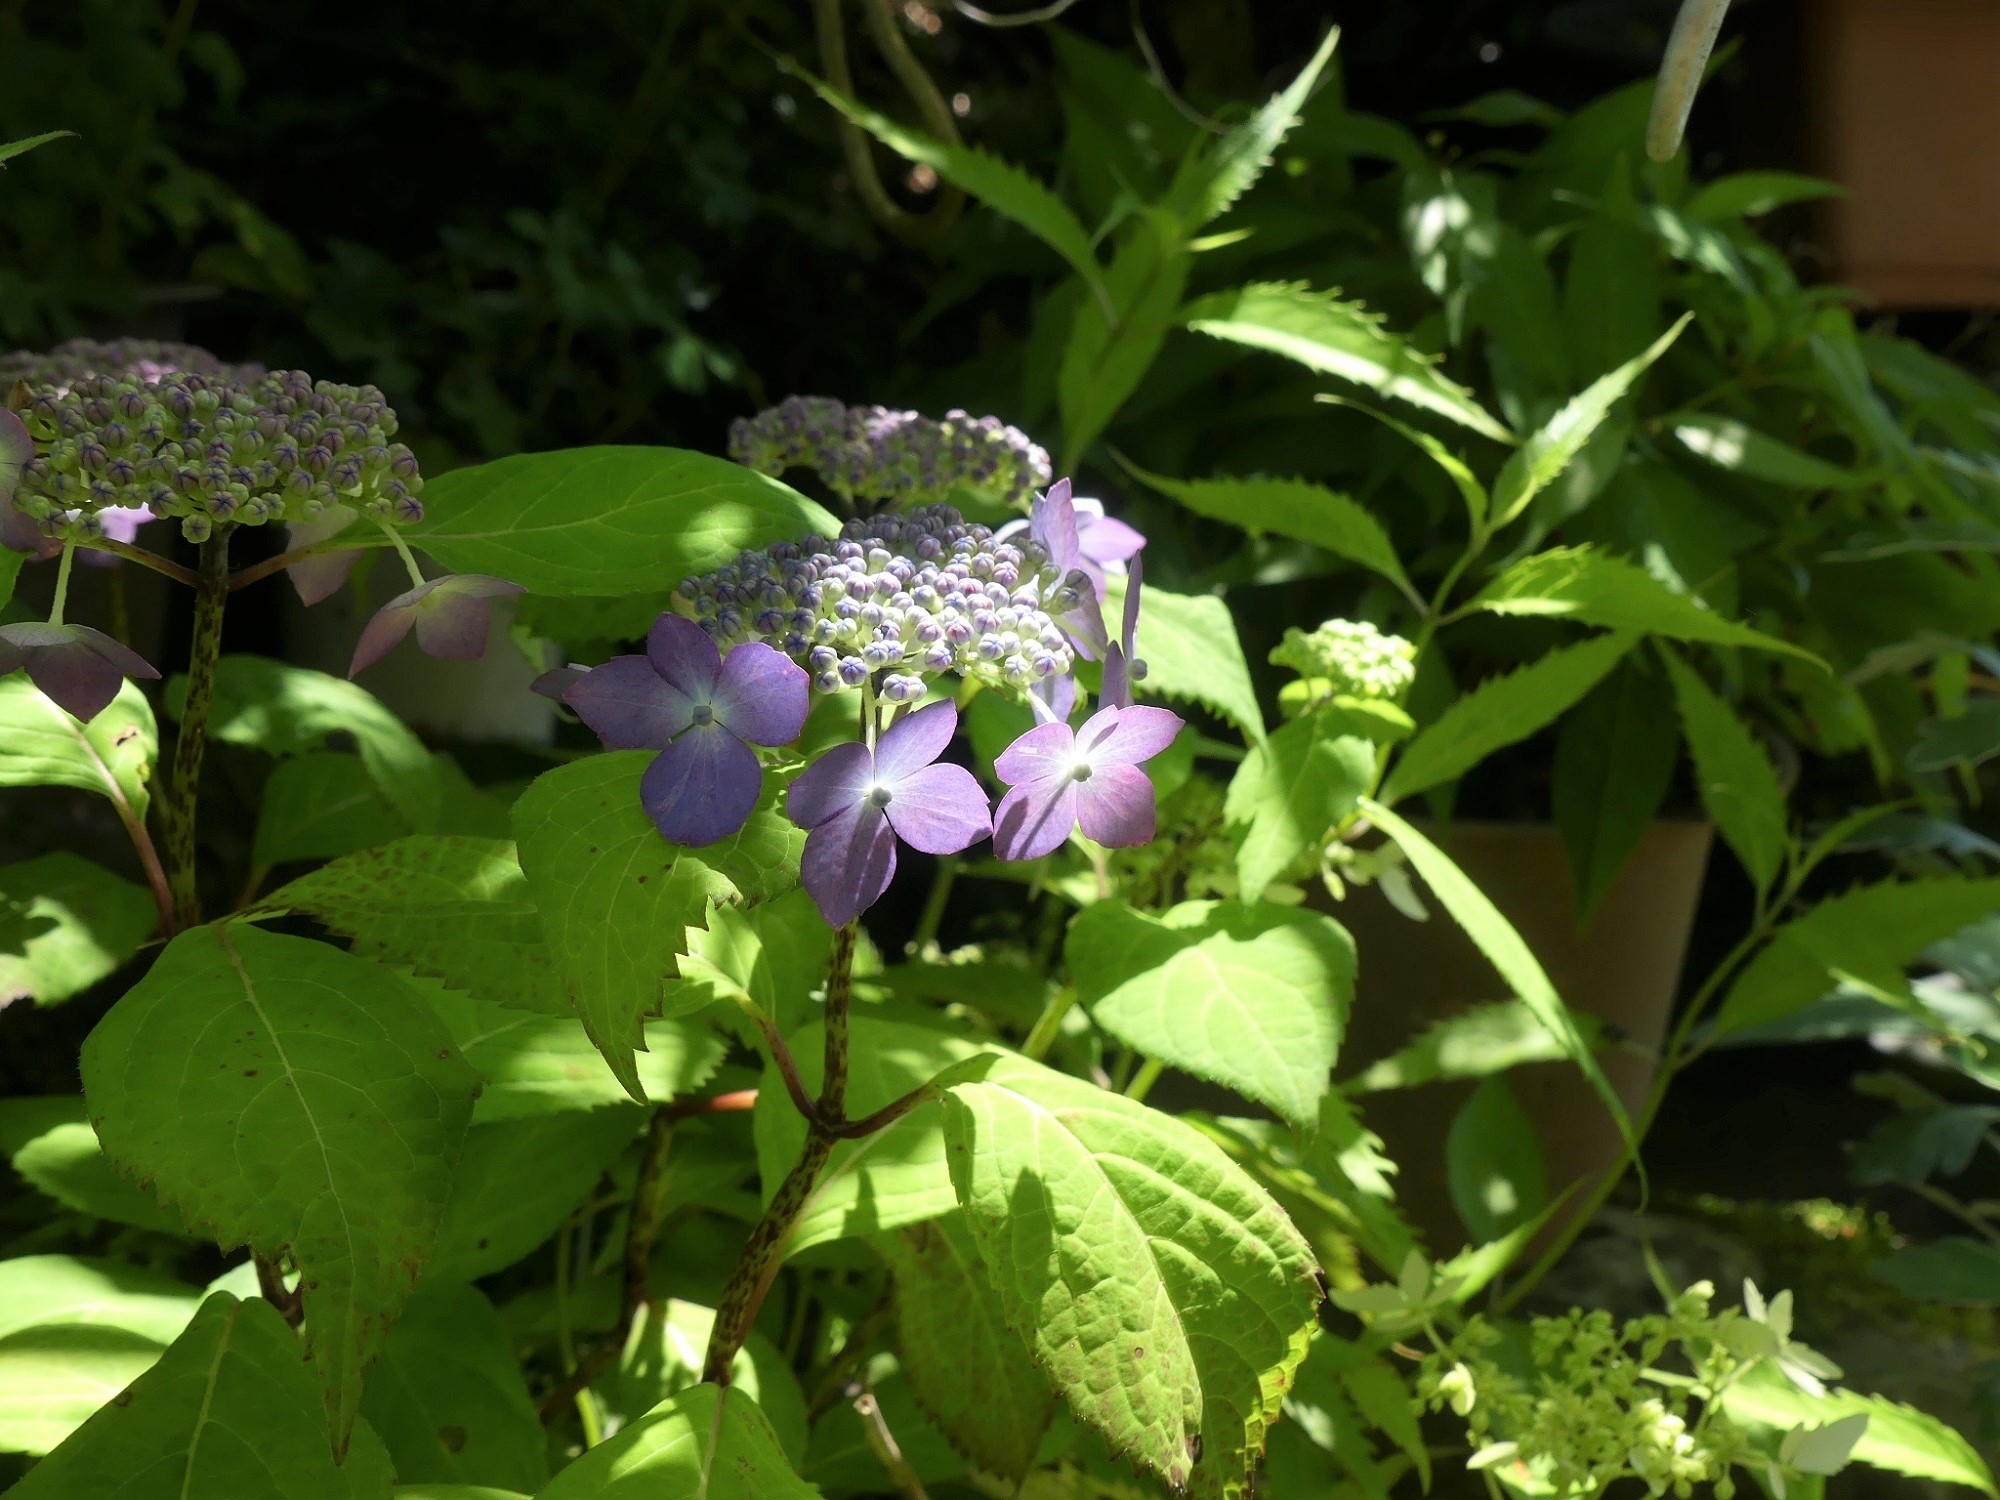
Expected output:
{"points": [[452, 1438]]}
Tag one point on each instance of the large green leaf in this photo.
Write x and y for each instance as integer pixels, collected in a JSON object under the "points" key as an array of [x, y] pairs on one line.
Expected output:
{"points": [[707, 1443], [1745, 195], [1500, 712], [1000, 185], [1494, 936], [1289, 792], [1342, 339], [73, 1333], [617, 900], [967, 1368], [321, 805], [542, 1065], [1189, 645], [1254, 997], [1110, 348], [50, 1143], [1536, 464], [447, 1397], [112, 755], [1294, 508], [1167, 1295], [1956, 1269], [1742, 449], [284, 710], [1866, 936], [452, 909], [518, 1180], [1738, 784], [1478, 1041], [227, 1411], [66, 923], [1898, 1438], [287, 1095], [892, 1178], [1615, 755], [607, 520], [1493, 1163], [1582, 583], [28, 143], [1208, 183], [664, 1357]]}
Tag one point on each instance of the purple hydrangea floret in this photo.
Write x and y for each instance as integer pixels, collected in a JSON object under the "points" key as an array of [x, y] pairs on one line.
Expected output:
{"points": [[1061, 779], [899, 457], [150, 360], [80, 669], [451, 616], [904, 595], [702, 712], [857, 803]]}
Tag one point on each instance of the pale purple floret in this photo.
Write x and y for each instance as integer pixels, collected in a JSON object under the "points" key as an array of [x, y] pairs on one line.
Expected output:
{"points": [[18, 533], [1061, 779], [1053, 521], [79, 668], [451, 615], [702, 712], [1122, 666], [857, 804], [321, 575]]}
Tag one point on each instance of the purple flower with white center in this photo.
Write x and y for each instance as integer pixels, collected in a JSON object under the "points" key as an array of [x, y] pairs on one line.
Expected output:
{"points": [[1103, 544], [79, 668], [702, 712], [1061, 779], [857, 803], [451, 615]]}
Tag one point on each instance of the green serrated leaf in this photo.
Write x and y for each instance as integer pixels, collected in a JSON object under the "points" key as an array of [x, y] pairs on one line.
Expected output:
{"points": [[1252, 997], [1543, 456], [1742, 449], [1478, 1041], [541, 1065], [1168, 1297], [966, 1367], [113, 755], [894, 1177], [1615, 755], [1342, 339], [1291, 507], [707, 1443], [1209, 183], [1110, 348], [13, 149], [1001, 186], [664, 1357], [1502, 711], [284, 710], [228, 1410], [66, 923], [452, 909], [1289, 792], [1867, 935], [617, 900], [1582, 583], [321, 805], [1745, 195], [287, 1095], [74, 1330], [1189, 645], [607, 520], [447, 1397], [498, 1212], [49, 1141], [1503, 947], [1738, 784], [1493, 1163], [1898, 1438]]}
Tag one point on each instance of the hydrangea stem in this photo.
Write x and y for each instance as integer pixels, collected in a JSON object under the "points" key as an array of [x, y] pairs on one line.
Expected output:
{"points": [[764, 1252], [177, 810]]}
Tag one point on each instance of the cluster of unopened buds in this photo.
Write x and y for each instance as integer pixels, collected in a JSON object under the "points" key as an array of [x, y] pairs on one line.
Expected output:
{"points": [[1352, 657], [96, 439], [896, 457], [890, 605]]}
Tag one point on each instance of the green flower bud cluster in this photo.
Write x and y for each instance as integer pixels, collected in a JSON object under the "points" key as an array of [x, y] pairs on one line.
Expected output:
{"points": [[208, 449], [899, 457], [1358, 660], [1590, 1411], [150, 360]]}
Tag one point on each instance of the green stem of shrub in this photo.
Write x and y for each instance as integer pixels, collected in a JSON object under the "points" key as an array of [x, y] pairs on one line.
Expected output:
{"points": [[177, 810], [764, 1253]]}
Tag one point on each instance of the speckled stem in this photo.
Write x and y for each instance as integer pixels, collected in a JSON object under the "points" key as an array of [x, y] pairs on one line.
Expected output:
{"points": [[177, 808]]}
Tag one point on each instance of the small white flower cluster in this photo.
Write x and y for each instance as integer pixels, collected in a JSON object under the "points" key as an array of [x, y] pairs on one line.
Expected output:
{"points": [[906, 594]]}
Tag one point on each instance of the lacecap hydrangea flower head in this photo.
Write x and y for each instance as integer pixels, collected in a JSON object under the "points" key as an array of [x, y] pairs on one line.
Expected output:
{"points": [[893, 610], [895, 457]]}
